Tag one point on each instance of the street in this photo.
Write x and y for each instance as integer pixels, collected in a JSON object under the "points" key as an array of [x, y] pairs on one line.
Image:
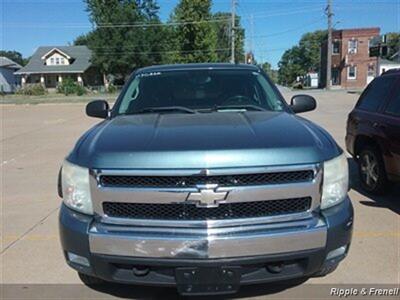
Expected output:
{"points": [[36, 138]]}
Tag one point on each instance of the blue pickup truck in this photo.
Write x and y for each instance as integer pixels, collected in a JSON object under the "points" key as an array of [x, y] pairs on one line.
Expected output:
{"points": [[202, 177]]}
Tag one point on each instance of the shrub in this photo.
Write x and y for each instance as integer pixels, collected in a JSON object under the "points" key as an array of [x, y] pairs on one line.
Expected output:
{"points": [[297, 86], [69, 86], [111, 89], [32, 90], [80, 90]]}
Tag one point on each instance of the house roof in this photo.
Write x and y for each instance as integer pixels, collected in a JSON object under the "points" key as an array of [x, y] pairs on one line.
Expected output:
{"points": [[56, 50], [80, 55], [8, 63]]}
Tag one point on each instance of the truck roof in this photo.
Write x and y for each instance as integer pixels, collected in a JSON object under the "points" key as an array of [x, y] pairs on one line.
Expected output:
{"points": [[199, 66]]}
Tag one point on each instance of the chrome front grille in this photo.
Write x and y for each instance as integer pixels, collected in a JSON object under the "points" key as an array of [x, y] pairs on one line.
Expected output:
{"points": [[251, 196], [192, 181], [184, 211]]}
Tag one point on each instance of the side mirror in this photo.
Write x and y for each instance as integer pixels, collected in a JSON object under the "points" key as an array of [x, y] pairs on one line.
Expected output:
{"points": [[302, 103], [97, 109]]}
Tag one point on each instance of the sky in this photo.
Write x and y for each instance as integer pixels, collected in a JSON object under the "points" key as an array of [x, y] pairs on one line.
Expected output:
{"points": [[272, 26]]}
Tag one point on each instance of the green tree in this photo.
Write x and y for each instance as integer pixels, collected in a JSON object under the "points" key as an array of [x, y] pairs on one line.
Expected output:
{"points": [[127, 35], [393, 42], [194, 37], [273, 74], [290, 66], [302, 58], [310, 47], [222, 27], [83, 39], [14, 56], [153, 36], [111, 42]]}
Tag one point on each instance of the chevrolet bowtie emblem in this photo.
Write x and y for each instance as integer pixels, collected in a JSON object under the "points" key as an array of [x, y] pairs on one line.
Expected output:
{"points": [[207, 196]]}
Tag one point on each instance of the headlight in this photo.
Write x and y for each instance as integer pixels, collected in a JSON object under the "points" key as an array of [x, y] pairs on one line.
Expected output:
{"points": [[336, 181], [75, 187]]}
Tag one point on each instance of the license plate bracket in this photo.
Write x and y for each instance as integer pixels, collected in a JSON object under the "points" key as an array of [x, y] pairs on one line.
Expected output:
{"points": [[207, 280]]}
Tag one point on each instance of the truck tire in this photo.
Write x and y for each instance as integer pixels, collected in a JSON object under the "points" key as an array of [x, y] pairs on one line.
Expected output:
{"points": [[372, 171], [90, 280], [326, 270]]}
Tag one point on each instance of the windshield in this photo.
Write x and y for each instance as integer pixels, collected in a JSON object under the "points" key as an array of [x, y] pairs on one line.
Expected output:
{"points": [[199, 91]]}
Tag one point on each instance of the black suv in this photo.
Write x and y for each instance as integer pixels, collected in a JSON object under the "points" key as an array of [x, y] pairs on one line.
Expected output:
{"points": [[373, 133]]}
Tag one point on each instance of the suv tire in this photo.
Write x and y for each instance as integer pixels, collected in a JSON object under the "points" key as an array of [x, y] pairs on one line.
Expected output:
{"points": [[372, 171], [90, 280]]}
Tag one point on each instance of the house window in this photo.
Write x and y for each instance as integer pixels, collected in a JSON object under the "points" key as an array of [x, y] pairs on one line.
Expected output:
{"points": [[62, 60], [335, 47], [57, 60], [351, 72], [371, 71], [352, 47], [52, 61]]}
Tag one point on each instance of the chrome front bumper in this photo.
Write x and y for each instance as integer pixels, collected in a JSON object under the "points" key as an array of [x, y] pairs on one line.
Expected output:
{"points": [[208, 243], [203, 239]]}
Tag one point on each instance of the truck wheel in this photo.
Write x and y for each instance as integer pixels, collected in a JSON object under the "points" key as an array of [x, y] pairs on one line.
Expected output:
{"points": [[90, 280], [372, 170], [326, 270]]}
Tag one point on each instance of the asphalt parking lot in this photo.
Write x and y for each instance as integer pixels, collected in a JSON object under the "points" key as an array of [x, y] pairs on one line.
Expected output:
{"points": [[36, 138]]}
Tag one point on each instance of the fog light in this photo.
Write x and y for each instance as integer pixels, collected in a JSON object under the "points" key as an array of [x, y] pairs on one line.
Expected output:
{"points": [[76, 259], [337, 252]]}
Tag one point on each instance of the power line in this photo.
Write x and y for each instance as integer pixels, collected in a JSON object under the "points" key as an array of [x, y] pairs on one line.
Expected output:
{"points": [[272, 50], [290, 29], [209, 20], [166, 51], [143, 24], [264, 14]]}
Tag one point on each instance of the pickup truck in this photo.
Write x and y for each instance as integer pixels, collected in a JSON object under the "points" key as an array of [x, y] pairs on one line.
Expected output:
{"points": [[202, 177]]}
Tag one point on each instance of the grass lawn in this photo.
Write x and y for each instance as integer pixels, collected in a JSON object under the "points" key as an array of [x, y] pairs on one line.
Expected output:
{"points": [[56, 98]]}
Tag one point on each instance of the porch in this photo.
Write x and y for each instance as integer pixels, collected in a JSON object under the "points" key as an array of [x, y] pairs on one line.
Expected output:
{"points": [[50, 80]]}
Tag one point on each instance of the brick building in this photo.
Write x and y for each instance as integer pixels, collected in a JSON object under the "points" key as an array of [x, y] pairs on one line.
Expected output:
{"points": [[351, 65]]}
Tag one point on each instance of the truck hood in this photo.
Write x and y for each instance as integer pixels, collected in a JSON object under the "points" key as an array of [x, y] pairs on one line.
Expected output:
{"points": [[203, 140]]}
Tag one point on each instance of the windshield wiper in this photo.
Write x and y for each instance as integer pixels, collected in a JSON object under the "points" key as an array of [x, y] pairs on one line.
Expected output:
{"points": [[163, 109], [239, 106]]}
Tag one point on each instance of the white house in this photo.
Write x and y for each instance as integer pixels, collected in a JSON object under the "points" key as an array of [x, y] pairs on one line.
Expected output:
{"points": [[312, 79], [49, 65], [8, 81]]}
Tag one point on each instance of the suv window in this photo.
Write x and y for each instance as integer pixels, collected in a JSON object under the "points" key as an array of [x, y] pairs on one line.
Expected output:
{"points": [[375, 94], [393, 107]]}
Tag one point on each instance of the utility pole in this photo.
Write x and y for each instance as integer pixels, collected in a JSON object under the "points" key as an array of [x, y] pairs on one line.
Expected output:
{"points": [[251, 38], [329, 46], [233, 15]]}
